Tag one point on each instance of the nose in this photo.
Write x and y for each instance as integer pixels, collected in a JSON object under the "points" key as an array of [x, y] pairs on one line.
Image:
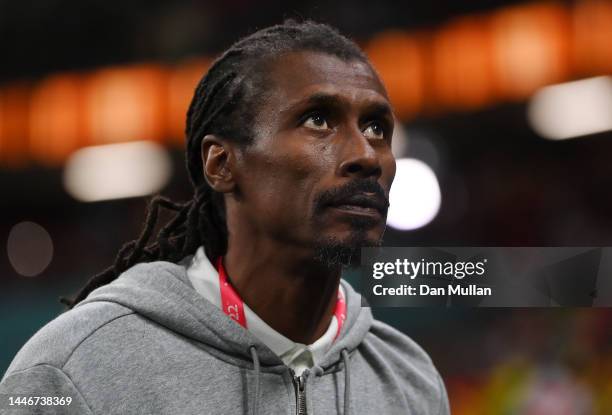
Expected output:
{"points": [[361, 159]]}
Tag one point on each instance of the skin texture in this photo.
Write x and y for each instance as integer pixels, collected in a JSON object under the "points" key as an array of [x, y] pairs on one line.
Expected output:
{"points": [[322, 133]]}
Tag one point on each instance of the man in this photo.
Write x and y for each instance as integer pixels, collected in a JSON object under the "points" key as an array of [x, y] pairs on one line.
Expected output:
{"points": [[289, 150]]}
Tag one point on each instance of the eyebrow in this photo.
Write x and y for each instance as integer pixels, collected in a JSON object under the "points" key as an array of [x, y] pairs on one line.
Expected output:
{"points": [[375, 108], [380, 110], [316, 99]]}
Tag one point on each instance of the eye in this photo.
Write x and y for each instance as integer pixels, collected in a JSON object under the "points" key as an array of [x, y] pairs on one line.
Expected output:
{"points": [[316, 122], [374, 131]]}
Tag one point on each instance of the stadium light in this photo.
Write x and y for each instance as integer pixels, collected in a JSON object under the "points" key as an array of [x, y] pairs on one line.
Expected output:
{"points": [[117, 171], [415, 195], [572, 109]]}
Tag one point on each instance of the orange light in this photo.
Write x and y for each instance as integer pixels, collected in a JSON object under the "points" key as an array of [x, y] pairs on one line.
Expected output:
{"points": [[56, 119], [14, 106], [532, 48], [466, 64], [593, 37], [126, 104], [182, 83], [400, 61], [462, 69]]}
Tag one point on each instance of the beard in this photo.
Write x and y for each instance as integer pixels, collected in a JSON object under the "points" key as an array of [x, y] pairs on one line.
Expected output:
{"points": [[331, 252]]}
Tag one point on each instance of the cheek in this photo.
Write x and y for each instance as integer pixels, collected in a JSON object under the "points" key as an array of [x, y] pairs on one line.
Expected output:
{"points": [[388, 165], [284, 183]]}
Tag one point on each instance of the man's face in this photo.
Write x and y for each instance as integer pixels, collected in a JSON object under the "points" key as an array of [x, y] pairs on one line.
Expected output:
{"points": [[319, 171]]}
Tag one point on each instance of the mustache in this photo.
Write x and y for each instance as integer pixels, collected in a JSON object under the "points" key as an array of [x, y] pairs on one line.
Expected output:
{"points": [[351, 191]]}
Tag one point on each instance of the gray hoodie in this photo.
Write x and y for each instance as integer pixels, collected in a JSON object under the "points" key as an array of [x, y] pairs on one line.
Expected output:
{"points": [[148, 343]]}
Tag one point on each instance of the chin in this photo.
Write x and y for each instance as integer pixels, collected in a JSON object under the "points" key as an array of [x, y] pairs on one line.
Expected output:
{"points": [[344, 251]]}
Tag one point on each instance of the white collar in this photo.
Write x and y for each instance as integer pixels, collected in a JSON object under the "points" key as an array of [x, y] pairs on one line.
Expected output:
{"points": [[205, 280]]}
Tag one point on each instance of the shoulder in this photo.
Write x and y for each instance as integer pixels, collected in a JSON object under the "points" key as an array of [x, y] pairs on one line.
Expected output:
{"points": [[100, 318], [54, 344], [398, 346], [404, 362], [38, 368]]}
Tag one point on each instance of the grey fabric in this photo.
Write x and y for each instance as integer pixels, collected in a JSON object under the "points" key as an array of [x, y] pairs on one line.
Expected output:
{"points": [[149, 343], [256, 366], [347, 382]]}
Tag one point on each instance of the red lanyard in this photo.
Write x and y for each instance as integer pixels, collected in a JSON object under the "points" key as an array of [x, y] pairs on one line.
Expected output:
{"points": [[233, 306], [231, 303], [340, 312]]}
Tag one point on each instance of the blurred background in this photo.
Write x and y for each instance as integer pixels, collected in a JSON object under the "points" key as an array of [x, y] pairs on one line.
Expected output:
{"points": [[505, 140]]}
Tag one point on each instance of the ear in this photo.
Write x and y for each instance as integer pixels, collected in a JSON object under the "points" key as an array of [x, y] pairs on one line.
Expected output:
{"points": [[217, 160]]}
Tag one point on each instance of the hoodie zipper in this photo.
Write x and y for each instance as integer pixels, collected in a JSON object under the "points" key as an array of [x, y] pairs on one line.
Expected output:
{"points": [[300, 396]]}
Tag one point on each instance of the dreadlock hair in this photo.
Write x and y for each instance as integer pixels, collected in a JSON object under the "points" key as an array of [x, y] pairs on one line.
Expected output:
{"points": [[223, 105]]}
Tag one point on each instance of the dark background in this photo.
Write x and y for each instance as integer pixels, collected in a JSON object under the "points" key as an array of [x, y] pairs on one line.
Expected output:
{"points": [[501, 185]]}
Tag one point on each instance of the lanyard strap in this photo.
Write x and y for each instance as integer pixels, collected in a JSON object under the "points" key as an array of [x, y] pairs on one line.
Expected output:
{"points": [[340, 311], [231, 303], [233, 306]]}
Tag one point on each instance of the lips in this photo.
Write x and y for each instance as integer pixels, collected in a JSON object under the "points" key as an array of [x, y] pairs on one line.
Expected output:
{"points": [[361, 203]]}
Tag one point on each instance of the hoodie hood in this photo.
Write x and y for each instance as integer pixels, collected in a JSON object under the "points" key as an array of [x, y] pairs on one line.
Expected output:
{"points": [[162, 292]]}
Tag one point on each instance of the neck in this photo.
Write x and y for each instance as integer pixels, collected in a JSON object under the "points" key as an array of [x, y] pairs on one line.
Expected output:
{"points": [[285, 287]]}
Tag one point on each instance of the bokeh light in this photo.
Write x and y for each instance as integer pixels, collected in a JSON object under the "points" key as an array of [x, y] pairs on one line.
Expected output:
{"points": [[572, 109], [116, 171], [29, 248], [415, 195]]}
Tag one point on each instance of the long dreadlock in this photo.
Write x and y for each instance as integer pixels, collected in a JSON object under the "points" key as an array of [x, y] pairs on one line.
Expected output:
{"points": [[222, 105]]}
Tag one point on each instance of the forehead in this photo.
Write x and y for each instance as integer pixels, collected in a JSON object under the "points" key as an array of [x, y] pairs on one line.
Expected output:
{"points": [[297, 74]]}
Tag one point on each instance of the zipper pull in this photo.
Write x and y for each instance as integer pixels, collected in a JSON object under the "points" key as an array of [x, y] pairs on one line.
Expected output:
{"points": [[300, 381]]}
